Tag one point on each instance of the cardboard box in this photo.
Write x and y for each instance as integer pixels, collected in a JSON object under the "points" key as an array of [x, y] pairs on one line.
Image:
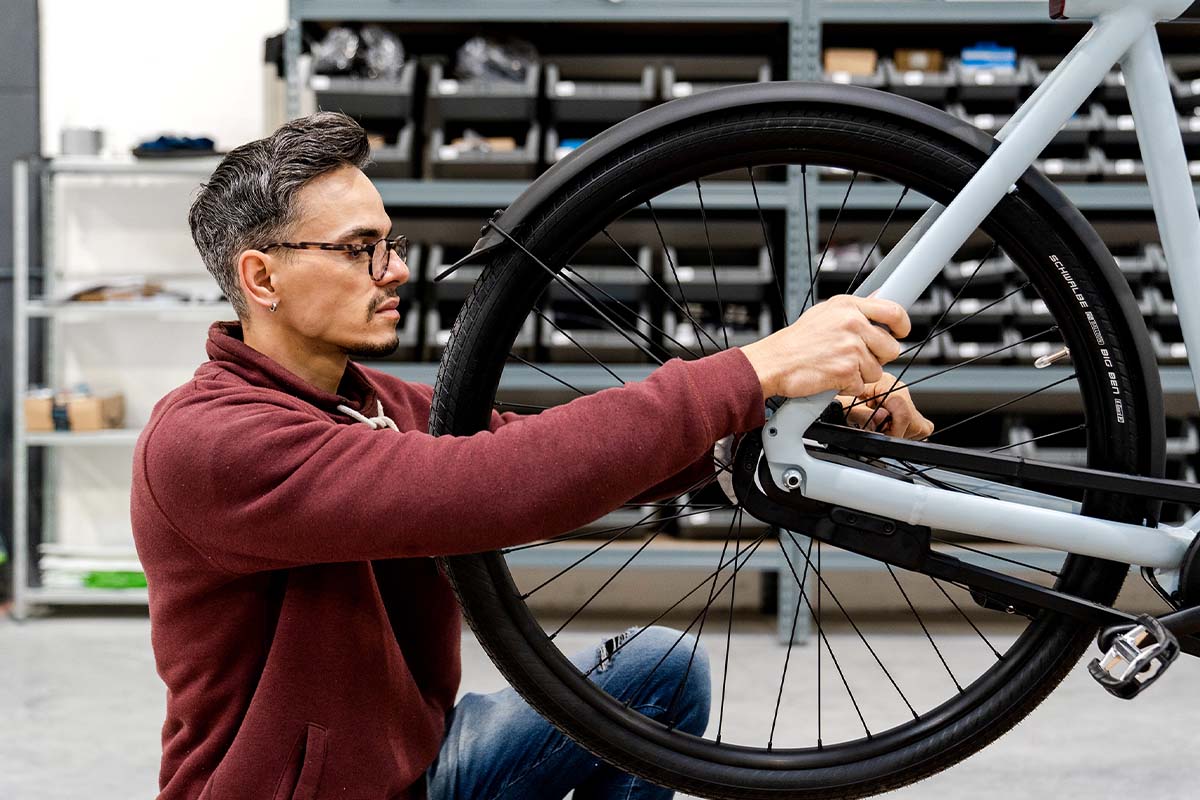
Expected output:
{"points": [[851, 60], [918, 60], [96, 412], [39, 414]]}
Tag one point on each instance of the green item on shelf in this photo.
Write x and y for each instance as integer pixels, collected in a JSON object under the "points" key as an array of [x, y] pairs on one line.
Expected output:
{"points": [[115, 580]]}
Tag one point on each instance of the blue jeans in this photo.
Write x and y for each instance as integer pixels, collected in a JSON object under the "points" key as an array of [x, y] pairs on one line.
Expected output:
{"points": [[498, 748]]}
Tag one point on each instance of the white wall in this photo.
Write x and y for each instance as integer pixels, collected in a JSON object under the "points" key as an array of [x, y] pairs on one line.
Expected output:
{"points": [[139, 68], [136, 69]]}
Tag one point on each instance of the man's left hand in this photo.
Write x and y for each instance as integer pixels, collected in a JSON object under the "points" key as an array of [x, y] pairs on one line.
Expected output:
{"points": [[887, 407]]}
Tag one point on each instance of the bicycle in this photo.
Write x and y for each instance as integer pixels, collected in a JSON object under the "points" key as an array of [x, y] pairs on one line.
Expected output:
{"points": [[888, 500]]}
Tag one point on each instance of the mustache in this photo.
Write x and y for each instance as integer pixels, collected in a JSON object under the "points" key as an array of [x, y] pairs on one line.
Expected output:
{"points": [[377, 302]]}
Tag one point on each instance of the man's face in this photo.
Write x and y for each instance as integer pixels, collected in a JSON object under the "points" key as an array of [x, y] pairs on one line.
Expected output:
{"points": [[329, 296]]}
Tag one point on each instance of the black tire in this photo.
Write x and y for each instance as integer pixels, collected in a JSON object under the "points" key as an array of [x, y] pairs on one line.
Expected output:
{"points": [[1028, 230]]}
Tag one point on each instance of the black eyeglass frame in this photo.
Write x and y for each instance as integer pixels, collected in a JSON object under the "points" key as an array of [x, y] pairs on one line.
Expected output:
{"points": [[398, 245]]}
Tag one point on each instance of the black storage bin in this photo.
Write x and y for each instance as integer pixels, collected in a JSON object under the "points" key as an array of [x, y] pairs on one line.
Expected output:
{"points": [[683, 76], [928, 87], [449, 98], [394, 160], [987, 83], [599, 88], [444, 161], [366, 97]]}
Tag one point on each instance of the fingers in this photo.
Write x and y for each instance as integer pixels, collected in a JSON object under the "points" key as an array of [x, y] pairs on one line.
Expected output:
{"points": [[887, 406], [883, 345], [887, 313]]}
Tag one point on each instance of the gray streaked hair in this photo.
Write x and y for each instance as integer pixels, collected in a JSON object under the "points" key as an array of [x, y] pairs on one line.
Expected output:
{"points": [[250, 199]]}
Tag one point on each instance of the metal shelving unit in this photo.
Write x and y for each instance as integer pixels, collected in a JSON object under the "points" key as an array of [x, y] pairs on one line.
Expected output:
{"points": [[804, 20]]}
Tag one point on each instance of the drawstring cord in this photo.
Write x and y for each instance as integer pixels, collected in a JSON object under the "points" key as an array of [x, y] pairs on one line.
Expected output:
{"points": [[375, 423]]}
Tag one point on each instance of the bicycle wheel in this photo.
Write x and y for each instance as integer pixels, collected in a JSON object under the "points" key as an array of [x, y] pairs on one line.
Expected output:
{"points": [[875, 744]]}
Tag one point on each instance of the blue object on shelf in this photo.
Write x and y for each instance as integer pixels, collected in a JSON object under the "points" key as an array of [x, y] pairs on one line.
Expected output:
{"points": [[168, 146], [571, 143], [989, 55]]}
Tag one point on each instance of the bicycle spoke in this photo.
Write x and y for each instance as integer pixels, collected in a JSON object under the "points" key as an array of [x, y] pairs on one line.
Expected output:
{"points": [[683, 309], [728, 638], [961, 364], [712, 263], [887, 223], [836, 221], [762, 221], [704, 618], [587, 301], [921, 622], [566, 537], [821, 636], [549, 375], [996, 408], [801, 583], [957, 608], [996, 556], [698, 485], [571, 339], [858, 632], [612, 577], [932, 328], [525, 406], [675, 274], [813, 275], [737, 566], [812, 278], [626, 309], [1079, 427], [968, 317]]}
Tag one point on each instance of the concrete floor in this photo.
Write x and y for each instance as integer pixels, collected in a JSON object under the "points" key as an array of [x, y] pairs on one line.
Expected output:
{"points": [[81, 706]]}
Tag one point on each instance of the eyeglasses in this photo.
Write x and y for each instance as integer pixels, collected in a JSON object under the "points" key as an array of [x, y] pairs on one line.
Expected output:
{"points": [[377, 257]]}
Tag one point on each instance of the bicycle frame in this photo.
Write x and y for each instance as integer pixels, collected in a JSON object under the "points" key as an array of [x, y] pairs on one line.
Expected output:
{"points": [[1122, 33]]}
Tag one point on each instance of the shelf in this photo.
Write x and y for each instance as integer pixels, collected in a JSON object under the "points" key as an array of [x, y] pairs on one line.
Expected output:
{"points": [[1001, 381], [663, 554], [932, 11], [473, 11], [92, 165], [170, 309], [114, 437], [947, 390], [451, 193], [1087, 196], [86, 597]]}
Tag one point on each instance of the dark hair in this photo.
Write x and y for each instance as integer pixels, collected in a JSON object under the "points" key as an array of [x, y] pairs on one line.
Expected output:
{"points": [[250, 199]]}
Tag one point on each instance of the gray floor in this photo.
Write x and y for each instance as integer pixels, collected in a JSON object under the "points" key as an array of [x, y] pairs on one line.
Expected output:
{"points": [[80, 709]]}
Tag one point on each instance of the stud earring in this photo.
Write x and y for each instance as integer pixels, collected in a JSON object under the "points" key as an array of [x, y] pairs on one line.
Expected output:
{"points": [[274, 306]]}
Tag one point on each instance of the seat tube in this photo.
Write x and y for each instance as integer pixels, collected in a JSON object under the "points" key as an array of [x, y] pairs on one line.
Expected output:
{"points": [[1174, 199]]}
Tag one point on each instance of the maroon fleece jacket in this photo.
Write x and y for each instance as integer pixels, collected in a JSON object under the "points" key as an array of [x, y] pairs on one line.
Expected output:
{"points": [[308, 642]]}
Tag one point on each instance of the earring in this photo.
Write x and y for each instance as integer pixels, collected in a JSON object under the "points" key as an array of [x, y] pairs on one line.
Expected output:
{"points": [[274, 306]]}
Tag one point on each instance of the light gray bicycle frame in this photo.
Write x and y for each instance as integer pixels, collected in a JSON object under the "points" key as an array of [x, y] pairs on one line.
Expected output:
{"points": [[1123, 31]]}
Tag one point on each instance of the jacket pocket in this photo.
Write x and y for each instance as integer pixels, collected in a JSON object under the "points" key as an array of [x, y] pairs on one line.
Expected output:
{"points": [[301, 775]]}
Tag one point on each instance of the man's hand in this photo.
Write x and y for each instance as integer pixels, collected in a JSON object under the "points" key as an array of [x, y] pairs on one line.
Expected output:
{"points": [[833, 345], [887, 407]]}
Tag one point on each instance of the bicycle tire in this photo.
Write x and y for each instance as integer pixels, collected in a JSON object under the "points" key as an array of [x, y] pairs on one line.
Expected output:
{"points": [[938, 165]]}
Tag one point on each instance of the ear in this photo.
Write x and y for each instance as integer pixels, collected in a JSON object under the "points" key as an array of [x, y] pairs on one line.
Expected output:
{"points": [[255, 274]]}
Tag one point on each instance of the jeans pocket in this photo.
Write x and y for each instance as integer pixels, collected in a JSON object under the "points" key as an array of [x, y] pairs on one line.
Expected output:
{"points": [[302, 774]]}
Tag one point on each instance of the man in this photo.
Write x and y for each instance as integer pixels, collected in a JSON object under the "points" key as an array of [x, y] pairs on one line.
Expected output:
{"points": [[286, 502]]}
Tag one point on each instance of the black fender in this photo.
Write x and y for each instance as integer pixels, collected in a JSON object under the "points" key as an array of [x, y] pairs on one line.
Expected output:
{"points": [[880, 104]]}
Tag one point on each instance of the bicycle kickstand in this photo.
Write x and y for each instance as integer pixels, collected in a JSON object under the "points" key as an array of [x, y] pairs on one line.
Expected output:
{"points": [[1137, 655]]}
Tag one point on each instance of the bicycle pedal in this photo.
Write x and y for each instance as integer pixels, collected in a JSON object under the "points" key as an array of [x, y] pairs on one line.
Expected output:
{"points": [[1137, 656]]}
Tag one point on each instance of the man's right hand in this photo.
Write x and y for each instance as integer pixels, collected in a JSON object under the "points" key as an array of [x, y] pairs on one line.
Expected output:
{"points": [[832, 346]]}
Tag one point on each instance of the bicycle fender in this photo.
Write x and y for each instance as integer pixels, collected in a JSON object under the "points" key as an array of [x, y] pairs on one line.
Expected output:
{"points": [[883, 105]]}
